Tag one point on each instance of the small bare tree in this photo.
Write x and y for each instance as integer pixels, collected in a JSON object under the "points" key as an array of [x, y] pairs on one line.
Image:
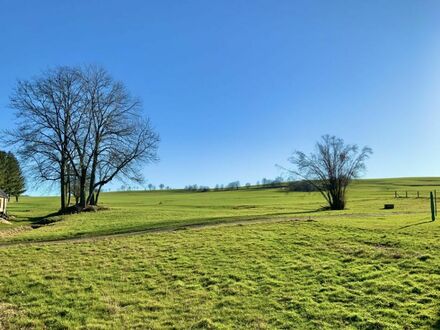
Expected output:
{"points": [[331, 168]]}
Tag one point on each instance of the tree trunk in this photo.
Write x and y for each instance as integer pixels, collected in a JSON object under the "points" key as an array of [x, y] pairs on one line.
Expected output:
{"points": [[97, 195], [93, 172], [69, 192], [63, 185], [337, 203], [82, 188], [92, 199]]}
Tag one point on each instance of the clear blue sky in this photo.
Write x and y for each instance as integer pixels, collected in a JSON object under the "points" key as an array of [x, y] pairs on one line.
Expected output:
{"points": [[233, 87]]}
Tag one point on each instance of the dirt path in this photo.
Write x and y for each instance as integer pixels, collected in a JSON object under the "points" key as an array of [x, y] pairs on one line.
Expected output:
{"points": [[200, 225]]}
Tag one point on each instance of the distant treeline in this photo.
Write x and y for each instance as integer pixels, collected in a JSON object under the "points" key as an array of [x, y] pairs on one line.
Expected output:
{"points": [[150, 186], [298, 186]]}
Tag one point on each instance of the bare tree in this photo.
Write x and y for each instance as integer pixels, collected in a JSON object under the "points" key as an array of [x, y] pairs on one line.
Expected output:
{"points": [[44, 106], [331, 168], [111, 139], [81, 128], [124, 155]]}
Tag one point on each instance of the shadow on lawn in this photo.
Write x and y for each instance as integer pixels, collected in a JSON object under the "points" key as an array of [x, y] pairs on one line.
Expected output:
{"points": [[37, 222], [164, 226], [416, 224], [321, 209]]}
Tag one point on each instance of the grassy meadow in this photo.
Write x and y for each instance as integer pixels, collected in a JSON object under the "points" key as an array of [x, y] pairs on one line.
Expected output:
{"points": [[252, 258]]}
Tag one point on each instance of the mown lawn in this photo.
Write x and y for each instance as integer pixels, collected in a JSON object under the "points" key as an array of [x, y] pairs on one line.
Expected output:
{"points": [[360, 268]]}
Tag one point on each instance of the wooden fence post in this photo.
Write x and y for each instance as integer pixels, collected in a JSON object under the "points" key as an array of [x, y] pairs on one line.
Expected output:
{"points": [[431, 195]]}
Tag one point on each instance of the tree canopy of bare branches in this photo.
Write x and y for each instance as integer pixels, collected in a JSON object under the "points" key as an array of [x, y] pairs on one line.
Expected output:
{"points": [[331, 168], [80, 128]]}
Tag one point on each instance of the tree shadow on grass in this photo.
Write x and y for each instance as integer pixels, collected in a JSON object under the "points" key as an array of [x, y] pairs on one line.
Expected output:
{"points": [[161, 226], [416, 224], [321, 209], [37, 222], [40, 221], [436, 325]]}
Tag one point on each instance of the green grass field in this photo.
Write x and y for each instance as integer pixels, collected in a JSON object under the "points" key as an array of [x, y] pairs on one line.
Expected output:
{"points": [[235, 259]]}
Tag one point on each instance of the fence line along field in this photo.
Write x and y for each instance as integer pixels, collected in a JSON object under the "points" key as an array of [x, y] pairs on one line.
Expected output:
{"points": [[249, 258]]}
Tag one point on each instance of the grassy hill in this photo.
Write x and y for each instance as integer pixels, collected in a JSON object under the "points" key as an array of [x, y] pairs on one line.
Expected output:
{"points": [[233, 259]]}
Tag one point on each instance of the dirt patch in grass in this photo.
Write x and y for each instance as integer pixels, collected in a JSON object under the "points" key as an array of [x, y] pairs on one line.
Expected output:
{"points": [[14, 231], [7, 313]]}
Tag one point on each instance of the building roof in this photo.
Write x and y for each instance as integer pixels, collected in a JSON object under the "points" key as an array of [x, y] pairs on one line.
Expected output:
{"points": [[3, 194]]}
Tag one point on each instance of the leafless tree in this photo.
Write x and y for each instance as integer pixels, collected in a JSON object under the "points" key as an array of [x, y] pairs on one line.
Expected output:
{"points": [[110, 137], [123, 154], [331, 168], [81, 128], [44, 106]]}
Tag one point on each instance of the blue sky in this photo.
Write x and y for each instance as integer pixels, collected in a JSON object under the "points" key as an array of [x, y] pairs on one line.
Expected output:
{"points": [[233, 87]]}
